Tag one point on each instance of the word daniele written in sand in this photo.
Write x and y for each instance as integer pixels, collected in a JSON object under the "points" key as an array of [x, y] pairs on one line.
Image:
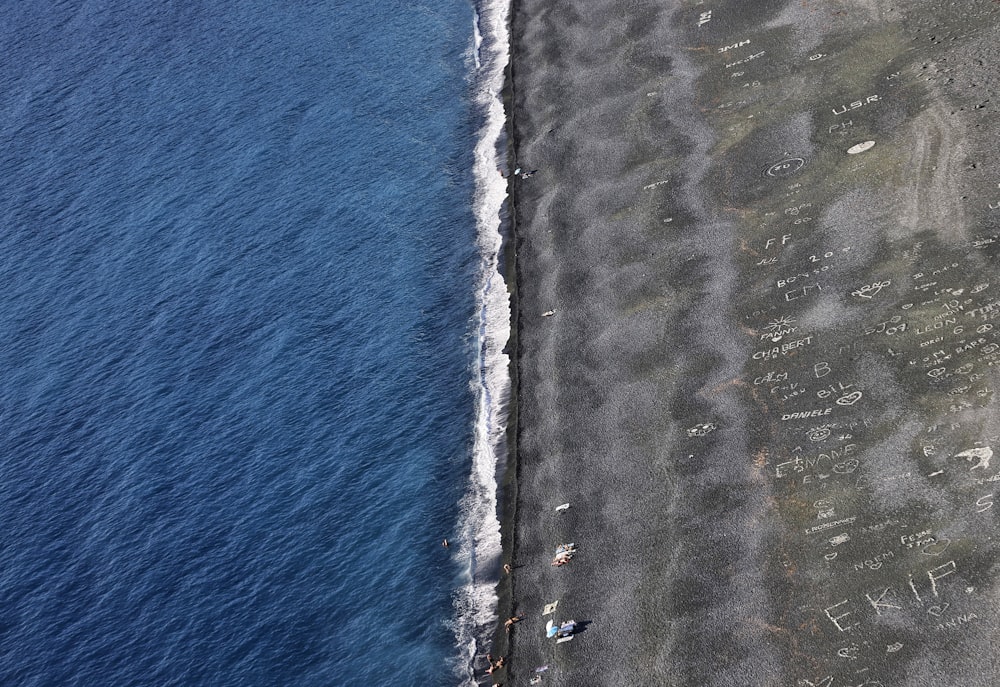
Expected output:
{"points": [[805, 414]]}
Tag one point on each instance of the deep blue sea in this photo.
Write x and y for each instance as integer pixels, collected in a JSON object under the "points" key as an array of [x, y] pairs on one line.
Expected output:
{"points": [[243, 343]]}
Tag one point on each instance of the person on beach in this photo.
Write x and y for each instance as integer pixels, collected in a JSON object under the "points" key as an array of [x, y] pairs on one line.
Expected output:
{"points": [[563, 556], [511, 621], [494, 665], [506, 568]]}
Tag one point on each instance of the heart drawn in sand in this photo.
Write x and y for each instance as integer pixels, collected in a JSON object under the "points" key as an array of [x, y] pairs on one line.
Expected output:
{"points": [[850, 399]]}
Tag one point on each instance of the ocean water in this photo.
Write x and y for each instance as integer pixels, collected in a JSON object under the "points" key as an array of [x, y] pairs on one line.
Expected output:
{"points": [[250, 338]]}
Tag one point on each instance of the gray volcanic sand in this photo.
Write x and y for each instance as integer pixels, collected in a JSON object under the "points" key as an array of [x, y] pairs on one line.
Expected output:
{"points": [[767, 355]]}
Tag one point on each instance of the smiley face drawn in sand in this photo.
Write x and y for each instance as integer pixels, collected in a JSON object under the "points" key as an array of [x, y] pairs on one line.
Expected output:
{"points": [[785, 167], [979, 456], [818, 434], [847, 467]]}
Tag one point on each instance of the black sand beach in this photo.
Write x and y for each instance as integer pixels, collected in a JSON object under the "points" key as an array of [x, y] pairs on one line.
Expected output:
{"points": [[767, 231]]}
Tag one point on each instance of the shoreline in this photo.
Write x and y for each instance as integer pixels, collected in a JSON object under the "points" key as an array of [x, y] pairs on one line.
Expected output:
{"points": [[716, 236], [508, 484], [480, 509]]}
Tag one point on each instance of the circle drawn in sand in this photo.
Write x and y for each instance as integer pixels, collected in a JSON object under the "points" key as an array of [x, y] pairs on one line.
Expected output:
{"points": [[785, 167], [860, 147]]}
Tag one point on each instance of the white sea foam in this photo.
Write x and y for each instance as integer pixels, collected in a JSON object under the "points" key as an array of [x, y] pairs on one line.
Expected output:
{"points": [[477, 40], [479, 540]]}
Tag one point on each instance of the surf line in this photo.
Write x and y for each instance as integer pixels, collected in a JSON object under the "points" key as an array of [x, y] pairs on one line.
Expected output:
{"points": [[479, 525]]}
